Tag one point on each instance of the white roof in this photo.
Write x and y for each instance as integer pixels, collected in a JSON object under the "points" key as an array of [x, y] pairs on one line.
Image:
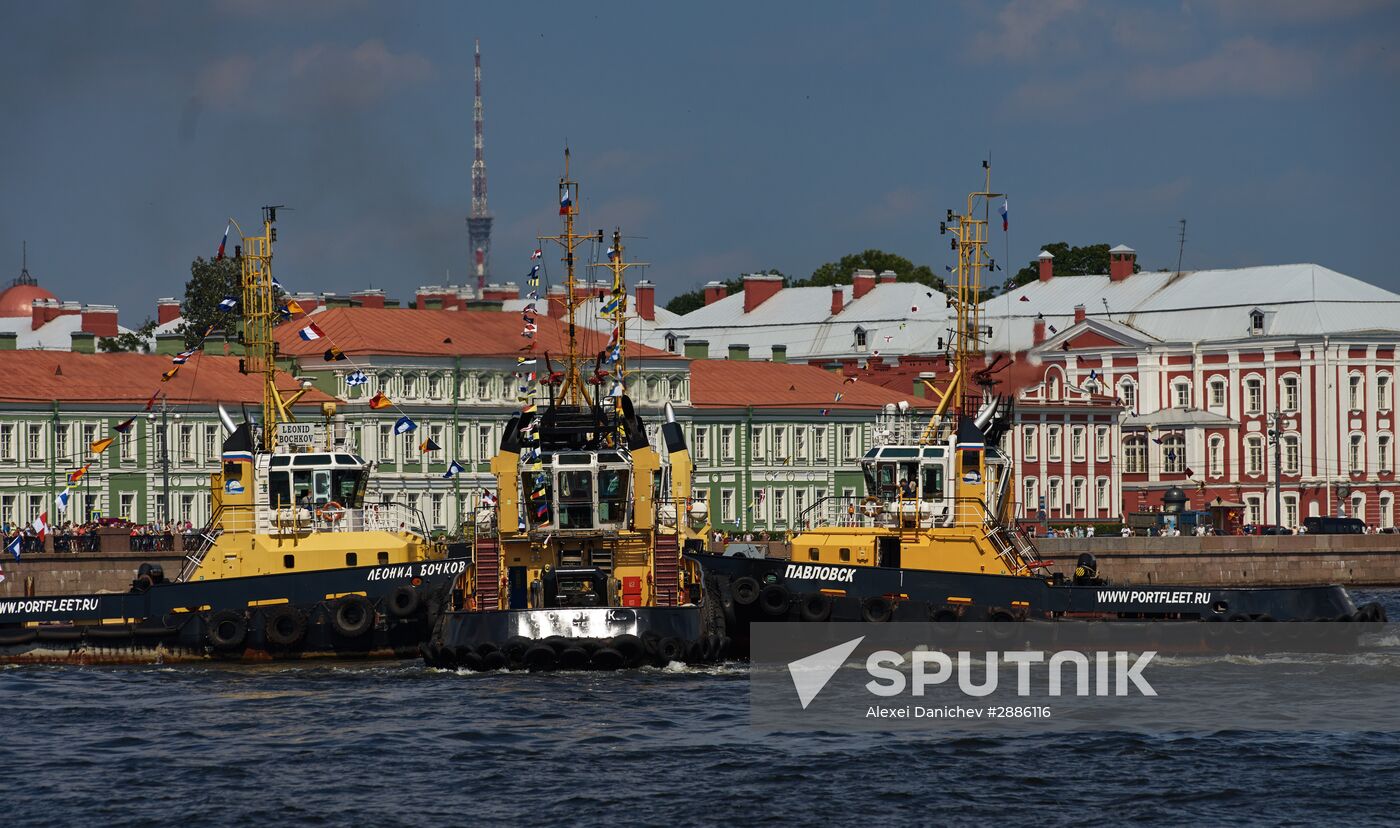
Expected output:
{"points": [[650, 332], [1199, 306], [54, 335], [897, 317]]}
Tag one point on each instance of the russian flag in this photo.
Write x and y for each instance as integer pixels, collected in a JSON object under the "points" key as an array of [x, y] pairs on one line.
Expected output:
{"points": [[566, 200], [537, 254], [311, 333], [1004, 223], [224, 242]]}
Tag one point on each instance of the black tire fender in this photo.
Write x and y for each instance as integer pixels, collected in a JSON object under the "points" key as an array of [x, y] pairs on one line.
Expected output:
{"points": [[284, 626], [815, 606], [775, 599], [745, 591], [352, 616], [876, 609], [226, 630], [403, 602]]}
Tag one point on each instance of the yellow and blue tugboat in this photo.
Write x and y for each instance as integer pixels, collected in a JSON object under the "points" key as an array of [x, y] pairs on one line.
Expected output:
{"points": [[577, 559], [293, 563], [934, 539]]}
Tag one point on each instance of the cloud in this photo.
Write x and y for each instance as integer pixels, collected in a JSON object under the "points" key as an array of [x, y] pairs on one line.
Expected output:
{"points": [[1245, 66], [227, 78], [280, 9], [1022, 30], [1292, 12], [895, 204], [355, 76]]}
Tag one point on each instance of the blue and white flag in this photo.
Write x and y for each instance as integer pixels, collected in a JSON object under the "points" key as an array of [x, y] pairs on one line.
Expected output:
{"points": [[63, 501], [356, 378], [13, 546], [404, 425], [228, 304], [453, 469]]}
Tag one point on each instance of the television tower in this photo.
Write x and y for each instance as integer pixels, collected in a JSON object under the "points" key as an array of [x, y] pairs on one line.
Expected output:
{"points": [[479, 222]]}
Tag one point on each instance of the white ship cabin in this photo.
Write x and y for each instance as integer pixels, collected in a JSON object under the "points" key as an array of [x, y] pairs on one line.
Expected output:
{"points": [[583, 491], [325, 491]]}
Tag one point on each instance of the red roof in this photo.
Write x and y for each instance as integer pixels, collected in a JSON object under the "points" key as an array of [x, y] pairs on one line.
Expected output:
{"points": [[18, 300], [413, 332], [723, 383], [36, 376]]}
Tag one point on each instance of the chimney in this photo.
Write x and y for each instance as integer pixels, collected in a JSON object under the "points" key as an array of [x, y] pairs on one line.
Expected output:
{"points": [[779, 353], [646, 301], [501, 293], [556, 300], [1078, 314], [838, 299], [715, 291], [759, 288], [167, 310], [888, 277], [739, 352], [1121, 261], [1046, 261], [372, 298], [1038, 332], [308, 301], [99, 319], [170, 344], [697, 349], [863, 280], [43, 311]]}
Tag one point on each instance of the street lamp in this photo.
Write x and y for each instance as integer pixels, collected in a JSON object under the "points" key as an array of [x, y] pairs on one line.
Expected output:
{"points": [[1276, 440]]}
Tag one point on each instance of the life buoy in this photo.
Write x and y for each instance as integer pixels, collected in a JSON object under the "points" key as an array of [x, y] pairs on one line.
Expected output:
{"points": [[870, 507], [227, 630], [745, 591], [330, 511], [284, 625], [815, 606], [775, 599], [877, 609], [403, 601], [352, 616]]}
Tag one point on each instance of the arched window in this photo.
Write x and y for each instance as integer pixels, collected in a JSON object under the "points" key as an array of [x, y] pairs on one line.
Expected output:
{"points": [[1253, 395], [1127, 392], [1134, 455], [860, 339], [386, 384], [671, 342], [1356, 453], [1254, 455], [1288, 393], [1354, 387], [1217, 456], [1173, 454], [1032, 501], [435, 386], [1382, 392], [1383, 462], [1053, 378], [1217, 395]]}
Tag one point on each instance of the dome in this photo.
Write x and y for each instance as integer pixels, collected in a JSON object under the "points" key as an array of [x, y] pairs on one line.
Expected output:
{"points": [[18, 300], [1174, 499]]}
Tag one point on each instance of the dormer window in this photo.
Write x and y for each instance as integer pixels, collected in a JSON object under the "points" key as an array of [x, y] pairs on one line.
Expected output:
{"points": [[671, 343], [860, 339], [1256, 321]]}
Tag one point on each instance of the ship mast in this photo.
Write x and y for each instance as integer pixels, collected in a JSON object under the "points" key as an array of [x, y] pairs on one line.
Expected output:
{"points": [[618, 301], [969, 231], [574, 389], [259, 312]]}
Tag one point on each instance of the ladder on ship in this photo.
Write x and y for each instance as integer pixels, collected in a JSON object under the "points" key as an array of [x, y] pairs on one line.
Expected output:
{"points": [[488, 573], [207, 536], [666, 564]]}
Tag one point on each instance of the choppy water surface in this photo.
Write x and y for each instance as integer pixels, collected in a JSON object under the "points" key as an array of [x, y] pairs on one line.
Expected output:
{"points": [[399, 744]]}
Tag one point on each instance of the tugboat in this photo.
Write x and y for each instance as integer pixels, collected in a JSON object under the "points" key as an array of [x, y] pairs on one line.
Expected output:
{"points": [[293, 564], [577, 559], [934, 538]]}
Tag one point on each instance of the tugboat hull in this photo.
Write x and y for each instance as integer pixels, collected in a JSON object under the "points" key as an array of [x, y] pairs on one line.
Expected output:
{"points": [[362, 612], [600, 638], [758, 590]]}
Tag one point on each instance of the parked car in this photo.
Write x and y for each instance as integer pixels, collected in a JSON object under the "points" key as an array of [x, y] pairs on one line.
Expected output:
{"points": [[1266, 529], [1334, 526]]}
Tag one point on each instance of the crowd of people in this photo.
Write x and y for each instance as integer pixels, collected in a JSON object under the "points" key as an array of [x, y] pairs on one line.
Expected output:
{"points": [[160, 537], [84, 537]]}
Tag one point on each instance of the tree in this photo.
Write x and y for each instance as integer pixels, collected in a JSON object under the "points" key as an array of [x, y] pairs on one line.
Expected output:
{"points": [[137, 340], [840, 272], [1091, 259], [210, 283]]}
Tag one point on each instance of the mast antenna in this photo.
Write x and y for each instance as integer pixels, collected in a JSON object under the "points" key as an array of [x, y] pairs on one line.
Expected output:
{"points": [[479, 222], [573, 389], [1181, 246]]}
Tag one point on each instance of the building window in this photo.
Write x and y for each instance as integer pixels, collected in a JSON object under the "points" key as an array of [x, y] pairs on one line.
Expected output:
{"points": [[1291, 454], [410, 386], [1253, 395], [1217, 394], [1387, 506], [1028, 442], [1356, 454], [1076, 443], [435, 386], [385, 384], [211, 444], [849, 444], [1383, 453], [671, 343], [128, 448], [127, 501], [1135, 455], [1255, 507], [860, 339], [1174, 454], [483, 443], [483, 387], [819, 442], [1052, 442], [463, 449], [799, 503], [1077, 492], [61, 447], [408, 451], [1254, 455], [780, 450], [1181, 393], [439, 506], [702, 443], [1127, 390], [1354, 392], [756, 448], [186, 445], [1032, 501], [726, 505], [1289, 388], [7, 441], [1290, 511], [1217, 456], [799, 444], [1101, 443], [1256, 322], [726, 444], [36, 443], [1101, 495], [386, 435], [779, 505], [90, 437], [7, 509], [1382, 392], [1358, 506], [1052, 494], [438, 434]]}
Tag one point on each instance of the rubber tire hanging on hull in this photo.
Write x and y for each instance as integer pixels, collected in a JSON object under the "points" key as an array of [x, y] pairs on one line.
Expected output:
{"points": [[745, 591], [877, 609], [284, 626], [352, 616], [226, 630], [775, 599], [403, 602], [815, 606]]}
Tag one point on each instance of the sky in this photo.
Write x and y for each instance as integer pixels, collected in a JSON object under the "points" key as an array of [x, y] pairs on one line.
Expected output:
{"points": [[720, 137]]}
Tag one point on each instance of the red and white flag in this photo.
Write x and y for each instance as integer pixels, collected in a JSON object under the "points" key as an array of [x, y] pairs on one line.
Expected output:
{"points": [[41, 525]]}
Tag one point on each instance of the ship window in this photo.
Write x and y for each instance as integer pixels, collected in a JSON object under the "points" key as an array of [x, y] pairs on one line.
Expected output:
{"points": [[289, 561], [347, 488], [301, 487], [933, 452], [612, 495], [279, 489], [346, 460], [900, 452], [352, 559], [311, 460], [933, 482], [282, 460], [575, 499], [575, 459], [813, 554], [322, 480], [845, 553], [383, 558]]}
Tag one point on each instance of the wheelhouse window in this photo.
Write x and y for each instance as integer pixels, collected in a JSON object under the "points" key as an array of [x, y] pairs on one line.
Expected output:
{"points": [[576, 499], [612, 495]]}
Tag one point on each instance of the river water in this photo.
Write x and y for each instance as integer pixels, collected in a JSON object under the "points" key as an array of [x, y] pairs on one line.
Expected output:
{"points": [[397, 744]]}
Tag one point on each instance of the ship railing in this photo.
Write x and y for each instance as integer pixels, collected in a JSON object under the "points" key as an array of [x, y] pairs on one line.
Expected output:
{"points": [[194, 557], [898, 429], [300, 520]]}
